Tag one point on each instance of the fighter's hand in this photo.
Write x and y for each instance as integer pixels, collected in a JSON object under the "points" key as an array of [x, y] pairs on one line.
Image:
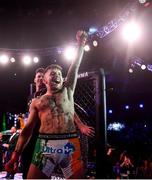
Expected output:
{"points": [[87, 130], [5, 145], [12, 165], [81, 37]]}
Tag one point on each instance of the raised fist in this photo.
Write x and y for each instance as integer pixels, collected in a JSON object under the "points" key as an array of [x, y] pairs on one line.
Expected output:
{"points": [[12, 165], [81, 37]]}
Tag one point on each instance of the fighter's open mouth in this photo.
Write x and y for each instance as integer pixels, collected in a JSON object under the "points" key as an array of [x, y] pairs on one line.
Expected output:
{"points": [[56, 81]]}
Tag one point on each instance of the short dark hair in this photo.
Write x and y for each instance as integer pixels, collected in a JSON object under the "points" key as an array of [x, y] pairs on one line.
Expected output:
{"points": [[53, 66], [39, 70]]}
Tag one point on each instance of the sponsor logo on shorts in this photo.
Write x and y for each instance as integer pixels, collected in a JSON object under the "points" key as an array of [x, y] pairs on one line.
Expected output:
{"points": [[66, 149]]}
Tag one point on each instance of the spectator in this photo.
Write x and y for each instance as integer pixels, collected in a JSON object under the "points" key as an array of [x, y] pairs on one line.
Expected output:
{"points": [[10, 146], [144, 171]]}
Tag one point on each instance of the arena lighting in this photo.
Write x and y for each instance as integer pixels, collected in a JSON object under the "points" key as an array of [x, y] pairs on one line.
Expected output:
{"points": [[26, 60], [136, 61], [127, 11], [87, 47], [12, 59], [35, 59], [116, 126], [131, 32], [4, 59], [127, 107], [142, 1], [99, 32], [95, 43], [59, 50], [110, 111], [143, 66], [146, 3], [70, 53], [130, 70], [141, 105], [149, 67], [92, 30]]}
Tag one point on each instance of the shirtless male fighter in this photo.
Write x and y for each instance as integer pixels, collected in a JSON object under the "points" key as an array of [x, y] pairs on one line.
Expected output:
{"points": [[58, 142]]}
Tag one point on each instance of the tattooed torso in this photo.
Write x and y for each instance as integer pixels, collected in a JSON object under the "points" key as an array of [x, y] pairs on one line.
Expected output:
{"points": [[56, 113]]}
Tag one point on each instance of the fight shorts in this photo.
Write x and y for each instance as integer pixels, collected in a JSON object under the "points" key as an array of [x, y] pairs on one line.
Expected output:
{"points": [[62, 150]]}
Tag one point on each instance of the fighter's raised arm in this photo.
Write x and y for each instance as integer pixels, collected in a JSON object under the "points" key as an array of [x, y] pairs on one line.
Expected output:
{"points": [[71, 78]]}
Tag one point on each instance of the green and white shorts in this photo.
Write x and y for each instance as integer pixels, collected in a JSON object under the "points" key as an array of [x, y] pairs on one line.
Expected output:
{"points": [[58, 150]]}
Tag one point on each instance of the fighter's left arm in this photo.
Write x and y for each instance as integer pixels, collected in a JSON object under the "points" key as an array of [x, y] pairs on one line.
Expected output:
{"points": [[84, 129], [71, 78]]}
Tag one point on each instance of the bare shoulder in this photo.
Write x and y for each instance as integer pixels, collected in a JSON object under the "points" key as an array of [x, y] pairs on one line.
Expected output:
{"points": [[34, 102]]}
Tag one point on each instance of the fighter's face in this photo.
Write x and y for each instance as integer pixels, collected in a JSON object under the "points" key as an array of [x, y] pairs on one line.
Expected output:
{"points": [[39, 79], [54, 79]]}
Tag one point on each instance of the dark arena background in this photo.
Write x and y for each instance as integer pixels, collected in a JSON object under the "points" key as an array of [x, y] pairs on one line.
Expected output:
{"points": [[114, 89]]}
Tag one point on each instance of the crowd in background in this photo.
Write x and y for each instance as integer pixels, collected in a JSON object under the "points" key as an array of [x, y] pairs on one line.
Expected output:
{"points": [[120, 164], [124, 165]]}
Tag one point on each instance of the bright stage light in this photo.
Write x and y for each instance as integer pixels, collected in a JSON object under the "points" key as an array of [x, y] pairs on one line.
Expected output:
{"points": [[70, 53], [87, 47], [92, 30], [127, 107], [27, 60], [95, 43], [110, 111], [143, 66], [12, 59], [4, 59], [142, 1], [35, 59], [131, 32], [130, 70], [141, 105], [146, 3], [116, 126]]}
